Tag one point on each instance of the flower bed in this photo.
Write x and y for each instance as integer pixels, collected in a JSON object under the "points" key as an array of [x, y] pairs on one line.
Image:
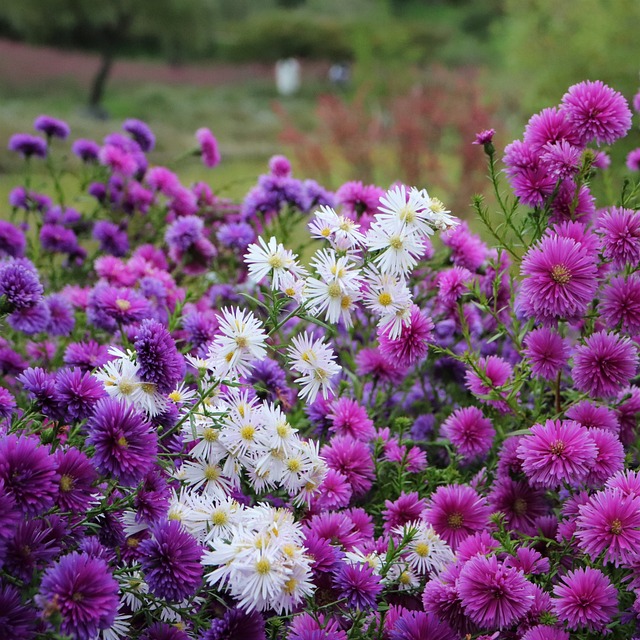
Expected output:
{"points": [[208, 435]]}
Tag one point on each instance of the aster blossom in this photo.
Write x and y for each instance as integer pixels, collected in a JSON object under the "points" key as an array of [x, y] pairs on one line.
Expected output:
{"points": [[271, 259], [557, 452]]}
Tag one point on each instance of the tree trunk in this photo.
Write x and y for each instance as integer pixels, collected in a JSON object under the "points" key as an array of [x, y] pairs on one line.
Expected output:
{"points": [[99, 83]]}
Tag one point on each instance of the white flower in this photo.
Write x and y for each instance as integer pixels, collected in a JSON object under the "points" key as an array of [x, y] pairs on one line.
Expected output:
{"points": [[208, 476], [293, 287], [206, 432], [270, 258], [388, 297], [263, 565], [439, 215], [242, 341], [426, 551], [412, 212], [315, 361], [182, 394], [400, 247]]}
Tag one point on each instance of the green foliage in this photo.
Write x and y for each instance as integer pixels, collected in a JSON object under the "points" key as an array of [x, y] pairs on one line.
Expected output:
{"points": [[548, 46], [173, 26]]}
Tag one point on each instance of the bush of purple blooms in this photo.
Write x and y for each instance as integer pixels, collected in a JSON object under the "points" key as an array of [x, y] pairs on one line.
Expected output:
{"points": [[207, 436]]}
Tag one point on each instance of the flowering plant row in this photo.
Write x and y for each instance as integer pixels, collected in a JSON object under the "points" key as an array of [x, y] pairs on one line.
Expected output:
{"points": [[300, 418]]}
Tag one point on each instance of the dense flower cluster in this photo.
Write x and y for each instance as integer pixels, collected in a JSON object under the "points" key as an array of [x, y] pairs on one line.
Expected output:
{"points": [[298, 418]]}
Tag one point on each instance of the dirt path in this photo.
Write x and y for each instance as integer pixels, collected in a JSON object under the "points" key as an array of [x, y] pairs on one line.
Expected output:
{"points": [[25, 65]]}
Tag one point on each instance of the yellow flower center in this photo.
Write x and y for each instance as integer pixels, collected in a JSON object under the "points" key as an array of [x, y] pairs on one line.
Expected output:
{"points": [[219, 518], [455, 520], [247, 432], [210, 435], [263, 566], [561, 274], [211, 473], [385, 299], [66, 483], [275, 262], [294, 465], [122, 304], [422, 549], [334, 290], [395, 242], [122, 442]]}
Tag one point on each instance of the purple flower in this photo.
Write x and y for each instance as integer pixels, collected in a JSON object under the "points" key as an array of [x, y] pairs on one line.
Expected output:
{"points": [[441, 597], [620, 303], [467, 249], [236, 235], [406, 508], [559, 279], [77, 477], [484, 137], [82, 590], [620, 229], [208, 147], [358, 585], [596, 112], [585, 598], [417, 625], [109, 306], [125, 445], [120, 161], [28, 145], [237, 623], [547, 351], [29, 473], [78, 393], [86, 150], [141, 133], [112, 238], [61, 315], [52, 127], [455, 512], [40, 386], [86, 355], [543, 632], [163, 631], [17, 620], [269, 382], [280, 166], [7, 404], [557, 452], [58, 239], [604, 364], [317, 195], [32, 320], [170, 561], [493, 595], [12, 241], [163, 180], [159, 361], [20, 287]]}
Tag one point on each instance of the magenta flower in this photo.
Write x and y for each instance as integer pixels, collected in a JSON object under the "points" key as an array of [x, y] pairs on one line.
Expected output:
{"points": [[609, 524], [548, 127], [358, 584], [604, 364], [557, 452], [406, 508], [351, 419], [493, 595], [559, 279], [543, 632], [455, 512], [610, 458], [520, 503], [620, 304], [547, 351], [411, 346], [594, 417], [633, 160], [208, 147], [469, 431], [417, 625], [495, 374], [82, 590], [353, 459], [620, 229], [596, 112], [585, 598]]}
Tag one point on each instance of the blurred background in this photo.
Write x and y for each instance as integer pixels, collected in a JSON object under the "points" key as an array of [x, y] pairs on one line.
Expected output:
{"points": [[375, 90]]}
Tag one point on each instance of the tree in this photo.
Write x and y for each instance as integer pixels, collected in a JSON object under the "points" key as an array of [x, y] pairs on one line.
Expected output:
{"points": [[177, 28]]}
